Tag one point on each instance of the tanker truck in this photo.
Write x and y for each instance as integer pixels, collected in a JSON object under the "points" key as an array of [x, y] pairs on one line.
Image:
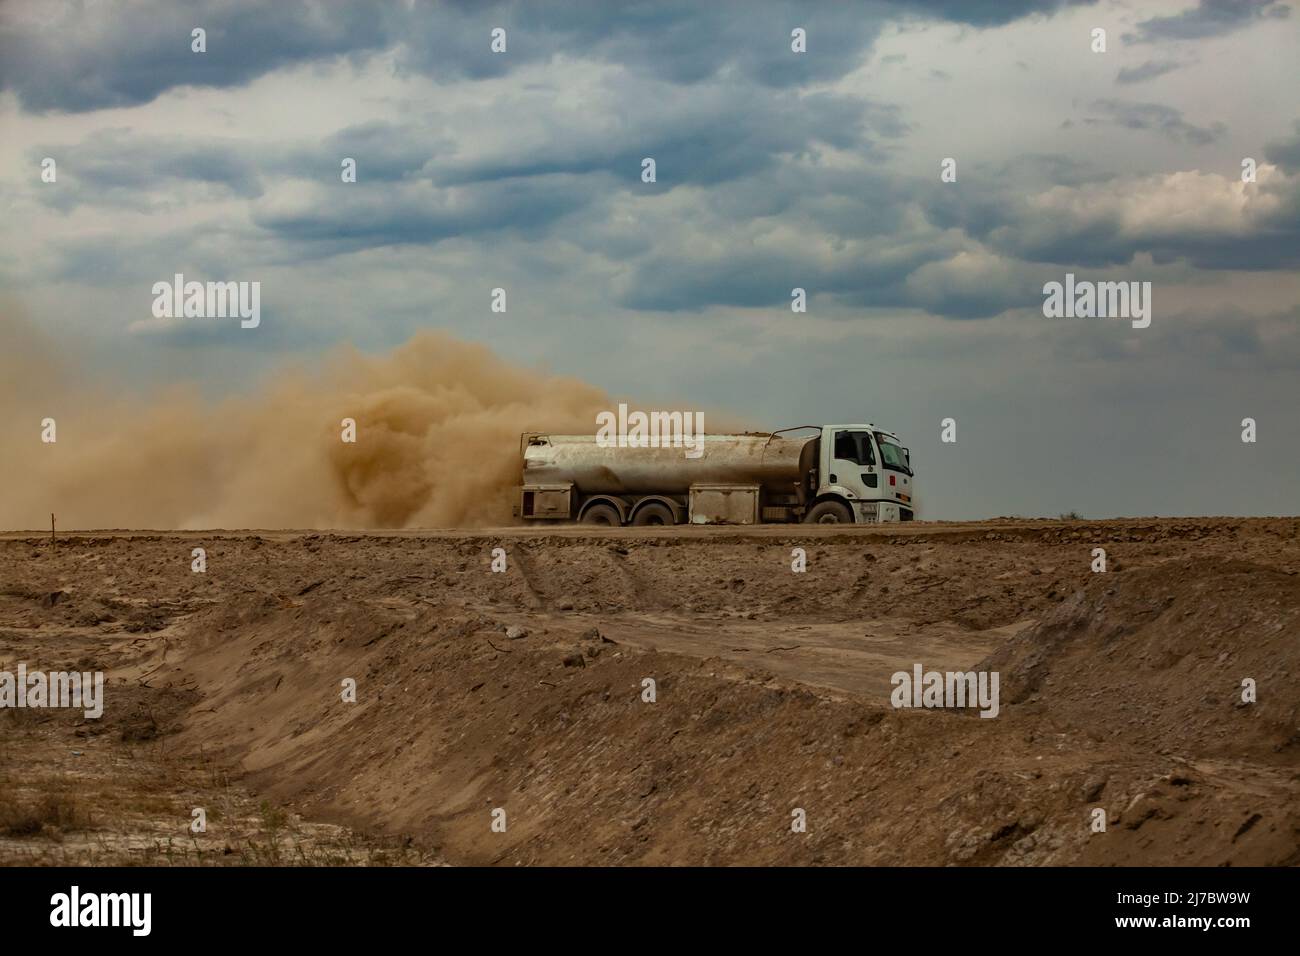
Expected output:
{"points": [[829, 474]]}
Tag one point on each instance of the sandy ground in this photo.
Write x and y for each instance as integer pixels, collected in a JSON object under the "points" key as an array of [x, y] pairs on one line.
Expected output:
{"points": [[1120, 692]]}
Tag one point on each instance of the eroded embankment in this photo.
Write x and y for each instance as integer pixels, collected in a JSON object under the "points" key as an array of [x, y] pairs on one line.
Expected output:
{"points": [[1125, 697], [223, 691]]}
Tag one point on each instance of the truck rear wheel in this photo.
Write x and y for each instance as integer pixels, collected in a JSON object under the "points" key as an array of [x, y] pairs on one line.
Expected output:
{"points": [[602, 514], [654, 513], [830, 512]]}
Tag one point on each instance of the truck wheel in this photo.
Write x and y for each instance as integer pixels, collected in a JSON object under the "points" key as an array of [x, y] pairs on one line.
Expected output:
{"points": [[830, 512], [655, 513], [602, 514]]}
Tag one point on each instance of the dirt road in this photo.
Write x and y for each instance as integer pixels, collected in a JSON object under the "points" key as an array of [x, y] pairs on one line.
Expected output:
{"points": [[660, 696]]}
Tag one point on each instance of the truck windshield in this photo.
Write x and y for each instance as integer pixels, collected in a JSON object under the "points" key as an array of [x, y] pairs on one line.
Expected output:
{"points": [[891, 454]]}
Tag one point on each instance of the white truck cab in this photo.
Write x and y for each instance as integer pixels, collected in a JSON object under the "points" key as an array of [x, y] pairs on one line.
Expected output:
{"points": [[867, 469]]}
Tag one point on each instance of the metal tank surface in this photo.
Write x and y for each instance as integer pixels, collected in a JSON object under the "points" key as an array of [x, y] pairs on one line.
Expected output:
{"points": [[770, 461]]}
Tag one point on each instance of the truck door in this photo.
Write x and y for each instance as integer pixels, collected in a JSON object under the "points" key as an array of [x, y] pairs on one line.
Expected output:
{"points": [[853, 464]]}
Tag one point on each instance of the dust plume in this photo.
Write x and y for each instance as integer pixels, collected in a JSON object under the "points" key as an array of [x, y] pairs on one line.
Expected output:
{"points": [[437, 420]]}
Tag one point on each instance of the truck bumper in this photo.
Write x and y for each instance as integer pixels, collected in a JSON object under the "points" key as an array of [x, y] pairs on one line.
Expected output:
{"points": [[875, 512]]}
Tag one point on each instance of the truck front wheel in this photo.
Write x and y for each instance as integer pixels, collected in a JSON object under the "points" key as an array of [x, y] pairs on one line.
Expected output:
{"points": [[602, 514], [830, 512]]}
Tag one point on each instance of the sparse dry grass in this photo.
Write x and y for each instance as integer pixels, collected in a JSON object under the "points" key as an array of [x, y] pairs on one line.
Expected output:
{"points": [[108, 800], [40, 812]]}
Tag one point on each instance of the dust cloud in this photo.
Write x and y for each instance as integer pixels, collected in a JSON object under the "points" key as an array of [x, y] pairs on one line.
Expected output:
{"points": [[438, 423]]}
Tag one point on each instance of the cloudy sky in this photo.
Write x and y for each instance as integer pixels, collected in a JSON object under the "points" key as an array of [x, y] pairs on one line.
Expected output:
{"points": [[775, 170]]}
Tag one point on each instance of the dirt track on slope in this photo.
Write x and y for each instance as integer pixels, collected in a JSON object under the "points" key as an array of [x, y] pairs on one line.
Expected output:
{"points": [[1119, 691]]}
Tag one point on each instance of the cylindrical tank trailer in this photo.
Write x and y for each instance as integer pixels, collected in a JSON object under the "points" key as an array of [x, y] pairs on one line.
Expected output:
{"points": [[766, 460]]}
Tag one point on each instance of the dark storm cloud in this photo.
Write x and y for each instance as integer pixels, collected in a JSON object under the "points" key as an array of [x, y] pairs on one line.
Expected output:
{"points": [[680, 41], [1276, 245], [1209, 18], [764, 149], [116, 167], [76, 57], [719, 136], [988, 13], [419, 213], [720, 133], [746, 279], [1104, 244]]}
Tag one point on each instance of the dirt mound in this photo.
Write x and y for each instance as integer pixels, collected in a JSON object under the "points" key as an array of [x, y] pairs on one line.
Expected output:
{"points": [[455, 719], [525, 691], [1159, 655]]}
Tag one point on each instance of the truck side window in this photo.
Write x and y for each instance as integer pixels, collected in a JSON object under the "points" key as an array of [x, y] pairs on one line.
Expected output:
{"points": [[854, 447]]}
